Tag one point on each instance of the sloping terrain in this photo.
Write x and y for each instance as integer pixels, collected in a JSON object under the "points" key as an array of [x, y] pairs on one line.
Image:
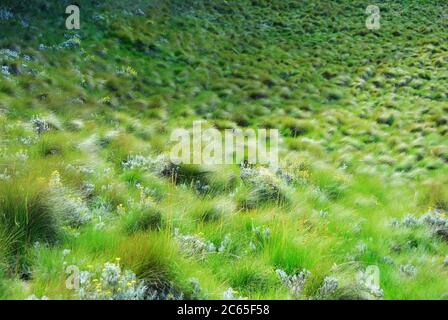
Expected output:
{"points": [[91, 208]]}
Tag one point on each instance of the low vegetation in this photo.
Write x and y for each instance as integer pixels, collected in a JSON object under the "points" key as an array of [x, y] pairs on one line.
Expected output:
{"points": [[91, 207]]}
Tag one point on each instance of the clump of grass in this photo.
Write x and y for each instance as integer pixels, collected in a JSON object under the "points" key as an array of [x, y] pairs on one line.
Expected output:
{"points": [[435, 195], [112, 283], [10, 288], [142, 219], [332, 184], [204, 180], [25, 219], [372, 135]]}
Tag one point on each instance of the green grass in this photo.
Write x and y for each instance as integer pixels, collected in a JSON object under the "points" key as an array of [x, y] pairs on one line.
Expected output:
{"points": [[362, 115]]}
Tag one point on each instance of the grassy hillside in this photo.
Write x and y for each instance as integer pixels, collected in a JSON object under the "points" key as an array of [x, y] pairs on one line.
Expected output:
{"points": [[86, 116]]}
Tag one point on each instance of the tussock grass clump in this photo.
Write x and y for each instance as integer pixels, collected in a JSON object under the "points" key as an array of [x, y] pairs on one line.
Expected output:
{"points": [[153, 258], [114, 284], [261, 187], [435, 195], [204, 180], [191, 174], [25, 218], [194, 245], [142, 219], [207, 181], [207, 211], [53, 145], [161, 166], [252, 278], [332, 184]]}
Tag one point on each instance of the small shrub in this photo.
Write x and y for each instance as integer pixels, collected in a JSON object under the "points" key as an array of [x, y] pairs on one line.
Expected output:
{"points": [[207, 212], [250, 278], [40, 125], [295, 283], [262, 187], [142, 219], [65, 205], [192, 245]]}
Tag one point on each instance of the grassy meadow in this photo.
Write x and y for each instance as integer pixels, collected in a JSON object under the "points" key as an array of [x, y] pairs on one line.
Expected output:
{"points": [[92, 208]]}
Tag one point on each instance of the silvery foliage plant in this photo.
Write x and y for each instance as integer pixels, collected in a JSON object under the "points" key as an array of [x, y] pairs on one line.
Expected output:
{"points": [[6, 14], [194, 245], [328, 288], [408, 270], [231, 294], [161, 165]]}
